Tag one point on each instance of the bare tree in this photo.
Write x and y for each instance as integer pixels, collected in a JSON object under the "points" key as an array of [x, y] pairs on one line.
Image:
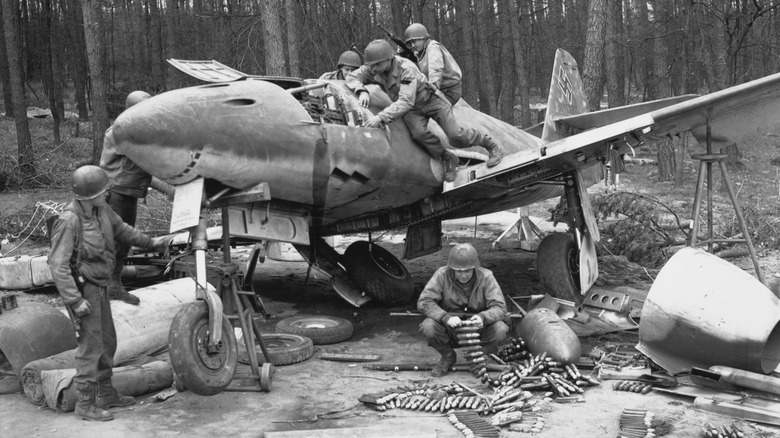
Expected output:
{"points": [[272, 37], [466, 57], [613, 56], [293, 8], [4, 76], [592, 73], [506, 100], [24, 141], [93, 34]]}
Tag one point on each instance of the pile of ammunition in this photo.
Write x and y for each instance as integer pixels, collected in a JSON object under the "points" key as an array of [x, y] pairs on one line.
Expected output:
{"points": [[723, 431], [470, 348], [513, 351], [632, 386], [472, 425], [637, 423], [541, 373], [424, 398]]}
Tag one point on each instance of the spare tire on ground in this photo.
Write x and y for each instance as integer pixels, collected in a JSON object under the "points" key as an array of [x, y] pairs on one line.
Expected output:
{"points": [[319, 328], [283, 348]]}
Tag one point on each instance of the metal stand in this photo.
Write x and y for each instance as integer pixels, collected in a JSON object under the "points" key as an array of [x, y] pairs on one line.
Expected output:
{"points": [[244, 311], [527, 232], [705, 167]]}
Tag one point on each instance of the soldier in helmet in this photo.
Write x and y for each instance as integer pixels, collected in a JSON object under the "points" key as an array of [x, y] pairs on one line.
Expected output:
{"points": [[83, 243], [460, 291], [435, 61], [129, 183], [415, 100], [349, 61]]}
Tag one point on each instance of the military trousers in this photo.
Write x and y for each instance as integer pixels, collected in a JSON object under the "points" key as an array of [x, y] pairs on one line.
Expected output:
{"points": [[438, 108], [440, 335], [126, 206], [97, 339]]}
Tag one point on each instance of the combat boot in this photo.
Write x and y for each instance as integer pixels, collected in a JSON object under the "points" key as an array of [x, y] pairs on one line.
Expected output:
{"points": [[108, 397], [450, 161], [495, 153], [116, 291], [448, 358], [85, 406]]}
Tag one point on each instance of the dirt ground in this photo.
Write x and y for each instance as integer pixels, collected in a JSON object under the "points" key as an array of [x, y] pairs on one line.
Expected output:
{"points": [[318, 395]]}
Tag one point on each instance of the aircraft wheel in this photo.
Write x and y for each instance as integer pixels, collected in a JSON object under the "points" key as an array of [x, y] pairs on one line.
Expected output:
{"points": [[320, 329], [557, 263], [379, 273], [200, 371]]}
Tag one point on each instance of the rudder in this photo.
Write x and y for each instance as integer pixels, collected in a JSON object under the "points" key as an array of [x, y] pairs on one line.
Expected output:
{"points": [[566, 97]]}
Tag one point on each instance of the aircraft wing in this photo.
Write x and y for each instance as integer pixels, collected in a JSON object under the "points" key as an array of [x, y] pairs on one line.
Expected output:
{"points": [[215, 71], [732, 113]]}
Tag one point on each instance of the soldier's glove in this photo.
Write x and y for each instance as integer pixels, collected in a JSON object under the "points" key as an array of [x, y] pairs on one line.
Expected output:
{"points": [[83, 309]]}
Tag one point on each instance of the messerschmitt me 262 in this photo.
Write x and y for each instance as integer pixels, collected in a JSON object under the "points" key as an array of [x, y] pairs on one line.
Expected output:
{"points": [[288, 160]]}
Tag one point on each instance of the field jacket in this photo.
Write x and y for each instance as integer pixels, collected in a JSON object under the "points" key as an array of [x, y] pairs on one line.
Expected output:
{"points": [[86, 241], [445, 296], [436, 62], [403, 84]]}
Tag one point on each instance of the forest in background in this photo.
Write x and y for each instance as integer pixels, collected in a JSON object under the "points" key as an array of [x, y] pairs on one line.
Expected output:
{"points": [[628, 51]]}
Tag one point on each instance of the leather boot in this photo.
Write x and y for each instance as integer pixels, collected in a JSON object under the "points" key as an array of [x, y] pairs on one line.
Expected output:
{"points": [[495, 153], [448, 358], [116, 291], [450, 165], [108, 397], [85, 406]]}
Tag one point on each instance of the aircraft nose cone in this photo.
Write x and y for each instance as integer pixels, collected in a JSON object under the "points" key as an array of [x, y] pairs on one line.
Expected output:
{"points": [[159, 134]]}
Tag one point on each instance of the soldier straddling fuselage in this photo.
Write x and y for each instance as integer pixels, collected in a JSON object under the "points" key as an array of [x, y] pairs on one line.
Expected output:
{"points": [[416, 101]]}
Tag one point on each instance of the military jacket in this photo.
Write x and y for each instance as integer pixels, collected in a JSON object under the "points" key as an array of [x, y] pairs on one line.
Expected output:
{"points": [[406, 86], [445, 296]]}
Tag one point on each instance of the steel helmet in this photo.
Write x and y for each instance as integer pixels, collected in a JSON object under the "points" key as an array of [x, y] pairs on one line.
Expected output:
{"points": [[89, 182], [349, 58], [415, 31], [378, 51], [135, 97], [463, 257]]}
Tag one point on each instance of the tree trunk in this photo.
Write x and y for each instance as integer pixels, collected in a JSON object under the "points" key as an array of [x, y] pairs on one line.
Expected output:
{"points": [[592, 73], [78, 63], [466, 56], [666, 159], [48, 68], [272, 38], [24, 141], [293, 36], [487, 84], [506, 100], [93, 33], [172, 49], [521, 70], [4, 76], [614, 55], [682, 151], [156, 54]]}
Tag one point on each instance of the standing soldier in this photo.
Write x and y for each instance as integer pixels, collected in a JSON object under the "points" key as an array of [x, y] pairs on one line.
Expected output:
{"points": [[82, 258], [435, 62], [461, 288], [129, 183], [417, 101], [349, 61]]}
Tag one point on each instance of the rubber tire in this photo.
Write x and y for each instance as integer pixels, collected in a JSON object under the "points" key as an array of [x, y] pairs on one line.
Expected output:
{"points": [[320, 329], [189, 327], [286, 349], [378, 273], [557, 264]]}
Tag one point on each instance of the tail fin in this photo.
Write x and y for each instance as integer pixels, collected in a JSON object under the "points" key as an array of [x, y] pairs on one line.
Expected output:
{"points": [[566, 98]]}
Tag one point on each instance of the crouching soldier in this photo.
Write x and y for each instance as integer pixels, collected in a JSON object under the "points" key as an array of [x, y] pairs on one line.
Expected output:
{"points": [[458, 289], [82, 257]]}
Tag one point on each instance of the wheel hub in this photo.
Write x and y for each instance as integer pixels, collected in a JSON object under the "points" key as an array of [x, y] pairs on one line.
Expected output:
{"points": [[214, 361]]}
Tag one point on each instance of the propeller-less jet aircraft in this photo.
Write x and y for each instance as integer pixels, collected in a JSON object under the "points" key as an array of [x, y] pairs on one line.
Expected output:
{"points": [[288, 160]]}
